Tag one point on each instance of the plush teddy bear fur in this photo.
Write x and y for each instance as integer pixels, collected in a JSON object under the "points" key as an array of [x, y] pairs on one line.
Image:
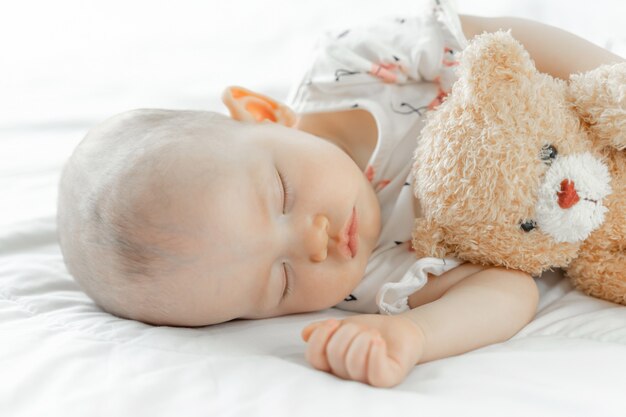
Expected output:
{"points": [[519, 169], [599, 97]]}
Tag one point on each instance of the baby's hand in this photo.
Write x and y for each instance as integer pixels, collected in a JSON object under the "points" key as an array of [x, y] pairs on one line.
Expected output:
{"points": [[375, 349]]}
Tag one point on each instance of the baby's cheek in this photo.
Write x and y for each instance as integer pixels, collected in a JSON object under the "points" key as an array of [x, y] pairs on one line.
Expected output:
{"points": [[333, 286]]}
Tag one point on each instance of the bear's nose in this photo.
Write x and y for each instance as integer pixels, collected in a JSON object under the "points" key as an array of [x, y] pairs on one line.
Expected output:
{"points": [[568, 195]]}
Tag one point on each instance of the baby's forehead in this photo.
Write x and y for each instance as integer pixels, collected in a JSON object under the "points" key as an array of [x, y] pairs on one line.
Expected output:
{"points": [[168, 136], [151, 150], [153, 127]]}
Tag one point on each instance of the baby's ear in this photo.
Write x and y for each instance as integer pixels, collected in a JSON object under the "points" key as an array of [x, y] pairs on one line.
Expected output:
{"points": [[248, 106]]}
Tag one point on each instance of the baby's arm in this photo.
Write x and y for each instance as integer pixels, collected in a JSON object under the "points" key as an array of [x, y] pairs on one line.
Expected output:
{"points": [[555, 51], [463, 309], [486, 307]]}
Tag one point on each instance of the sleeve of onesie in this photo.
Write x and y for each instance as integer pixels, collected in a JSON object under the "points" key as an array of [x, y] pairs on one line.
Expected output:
{"points": [[418, 48], [392, 298], [392, 49]]}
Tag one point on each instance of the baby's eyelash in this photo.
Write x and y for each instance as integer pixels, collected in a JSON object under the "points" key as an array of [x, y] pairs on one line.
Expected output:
{"points": [[287, 282], [286, 190]]}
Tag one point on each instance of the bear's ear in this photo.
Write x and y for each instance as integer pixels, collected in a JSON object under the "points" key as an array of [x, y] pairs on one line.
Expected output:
{"points": [[599, 97], [429, 239], [492, 65]]}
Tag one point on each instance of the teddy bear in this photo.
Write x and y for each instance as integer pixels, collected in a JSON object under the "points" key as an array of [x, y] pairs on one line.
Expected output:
{"points": [[522, 170]]}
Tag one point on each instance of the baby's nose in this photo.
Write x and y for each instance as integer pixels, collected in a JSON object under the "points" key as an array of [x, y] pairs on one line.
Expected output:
{"points": [[316, 240]]}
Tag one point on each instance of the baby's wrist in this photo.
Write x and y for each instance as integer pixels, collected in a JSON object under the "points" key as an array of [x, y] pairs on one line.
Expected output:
{"points": [[416, 325], [414, 334]]}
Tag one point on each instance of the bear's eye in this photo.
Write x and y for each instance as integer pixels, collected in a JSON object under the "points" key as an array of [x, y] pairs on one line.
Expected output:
{"points": [[528, 225], [548, 153]]}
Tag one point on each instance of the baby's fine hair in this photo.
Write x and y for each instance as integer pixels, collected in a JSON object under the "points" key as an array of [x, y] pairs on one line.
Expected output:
{"points": [[109, 189]]}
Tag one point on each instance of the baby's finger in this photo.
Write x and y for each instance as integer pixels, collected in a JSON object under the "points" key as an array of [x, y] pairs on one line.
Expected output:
{"points": [[382, 370], [308, 330], [338, 346], [316, 350], [357, 356]]}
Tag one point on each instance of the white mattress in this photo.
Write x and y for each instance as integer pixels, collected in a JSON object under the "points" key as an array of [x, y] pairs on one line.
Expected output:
{"points": [[66, 66]]}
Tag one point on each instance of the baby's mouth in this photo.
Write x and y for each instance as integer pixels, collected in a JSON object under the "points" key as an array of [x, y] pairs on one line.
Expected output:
{"points": [[353, 234], [349, 237]]}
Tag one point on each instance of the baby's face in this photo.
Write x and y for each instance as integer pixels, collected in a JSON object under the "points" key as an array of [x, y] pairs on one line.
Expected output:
{"points": [[275, 218]]}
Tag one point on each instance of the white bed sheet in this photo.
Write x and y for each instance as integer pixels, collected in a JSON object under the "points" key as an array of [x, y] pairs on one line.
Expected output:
{"points": [[69, 64]]}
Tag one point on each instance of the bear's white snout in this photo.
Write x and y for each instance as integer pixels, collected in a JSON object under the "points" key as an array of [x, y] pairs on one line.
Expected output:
{"points": [[569, 205]]}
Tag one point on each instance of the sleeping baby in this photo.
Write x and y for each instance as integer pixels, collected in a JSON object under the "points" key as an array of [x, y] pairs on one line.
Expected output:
{"points": [[192, 218]]}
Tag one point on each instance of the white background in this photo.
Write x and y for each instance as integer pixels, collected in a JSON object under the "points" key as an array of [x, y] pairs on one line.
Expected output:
{"points": [[74, 62]]}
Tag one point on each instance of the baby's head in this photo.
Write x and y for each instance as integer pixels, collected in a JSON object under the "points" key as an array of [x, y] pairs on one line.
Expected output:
{"points": [[178, 218]]}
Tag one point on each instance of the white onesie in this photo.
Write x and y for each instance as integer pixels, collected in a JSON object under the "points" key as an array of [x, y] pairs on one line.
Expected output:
{"points": [[397, 69]]}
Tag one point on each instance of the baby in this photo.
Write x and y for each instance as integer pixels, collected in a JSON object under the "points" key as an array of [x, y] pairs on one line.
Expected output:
{"points": [[192, 218]]}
